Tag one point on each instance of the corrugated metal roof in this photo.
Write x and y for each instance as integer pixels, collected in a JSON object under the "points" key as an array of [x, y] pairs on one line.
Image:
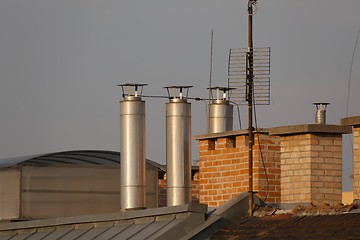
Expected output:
{"points": [[77, 157], [159, 223]]}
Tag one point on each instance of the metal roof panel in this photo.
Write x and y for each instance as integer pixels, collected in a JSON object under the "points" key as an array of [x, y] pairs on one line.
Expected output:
{"points": [[58, 233], [133, 230], [154, 227], [97, 157], [159, 223], [97, 230]]}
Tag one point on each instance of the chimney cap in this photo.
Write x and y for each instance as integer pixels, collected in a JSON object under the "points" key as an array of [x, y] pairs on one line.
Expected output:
{"points": [[173, 94], [321, 103], [320, 116], [127, 89], [221, 88], [225, 95], [179, 86], [132, 85]]}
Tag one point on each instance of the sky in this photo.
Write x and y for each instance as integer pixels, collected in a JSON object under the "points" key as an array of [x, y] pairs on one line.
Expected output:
{"points": [[61, 62]]}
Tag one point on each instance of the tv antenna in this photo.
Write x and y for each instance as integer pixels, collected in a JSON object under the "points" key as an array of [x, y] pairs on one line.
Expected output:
{"points": [[249, 74]]}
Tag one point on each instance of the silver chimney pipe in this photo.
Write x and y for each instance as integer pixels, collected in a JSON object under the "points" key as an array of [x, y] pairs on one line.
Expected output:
{"points": [[221, 112], [132, 147], [320, 116], [178, 146]]}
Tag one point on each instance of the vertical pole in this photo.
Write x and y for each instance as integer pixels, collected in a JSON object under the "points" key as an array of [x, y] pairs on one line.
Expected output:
{"points": [[210, 78], [250, 83]]}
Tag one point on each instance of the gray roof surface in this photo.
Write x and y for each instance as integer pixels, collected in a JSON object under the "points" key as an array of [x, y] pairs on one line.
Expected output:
{"points": [[77, 157], [158, 223], [191, 221]]}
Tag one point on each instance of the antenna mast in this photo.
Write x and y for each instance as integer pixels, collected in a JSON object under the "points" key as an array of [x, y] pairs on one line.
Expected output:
{"points": [[250, 87], [210, 77], [249, 75]]}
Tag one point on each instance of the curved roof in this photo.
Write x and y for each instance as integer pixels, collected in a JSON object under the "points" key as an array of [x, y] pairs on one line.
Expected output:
{"points": [[76, 157]]}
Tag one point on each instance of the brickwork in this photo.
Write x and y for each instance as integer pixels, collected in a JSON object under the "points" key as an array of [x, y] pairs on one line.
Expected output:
{"points": [[311, 168], [267, 180], [162, 193], [162, 190], [195, 188], [354, 124], [223, 168], [356, 181]]}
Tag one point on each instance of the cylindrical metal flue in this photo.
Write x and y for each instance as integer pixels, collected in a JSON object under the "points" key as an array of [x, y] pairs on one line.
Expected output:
{"points": [[132, 150], [178, 148], [221, 112], [320, 116]]}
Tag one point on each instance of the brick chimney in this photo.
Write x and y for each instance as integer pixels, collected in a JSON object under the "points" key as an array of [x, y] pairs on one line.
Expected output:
{"points": [[223, 166], [355, 123], [311, 162]]}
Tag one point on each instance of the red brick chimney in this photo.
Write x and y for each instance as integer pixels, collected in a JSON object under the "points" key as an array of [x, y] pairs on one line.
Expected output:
{"points": [[223, 166]]}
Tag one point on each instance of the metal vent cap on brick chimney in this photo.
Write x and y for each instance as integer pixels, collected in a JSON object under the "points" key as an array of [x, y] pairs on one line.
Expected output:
{"points": [[220, 110], [320, 116]]}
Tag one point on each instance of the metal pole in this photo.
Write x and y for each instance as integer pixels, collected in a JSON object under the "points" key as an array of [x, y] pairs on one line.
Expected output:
{"points": [[250, 86], [210, 77]]}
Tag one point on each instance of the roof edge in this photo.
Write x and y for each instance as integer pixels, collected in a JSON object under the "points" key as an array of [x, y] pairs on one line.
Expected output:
{"points": [[232, 209], [123, 215], [310, 128], [350, 121], [13, 161], [232, 133]]}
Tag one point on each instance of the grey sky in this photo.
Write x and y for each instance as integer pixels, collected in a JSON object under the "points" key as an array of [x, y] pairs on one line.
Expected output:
{"points": [[60, 62]]}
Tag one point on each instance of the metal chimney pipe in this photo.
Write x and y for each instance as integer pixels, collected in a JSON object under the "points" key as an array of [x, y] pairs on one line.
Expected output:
{"points": [[320, 116], [221, 112], [132, 148], [178, 146]]}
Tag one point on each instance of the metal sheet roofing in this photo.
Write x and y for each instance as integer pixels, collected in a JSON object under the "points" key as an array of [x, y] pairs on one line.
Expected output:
{"points": [[160, 223], [190, 221], [77, 157]]}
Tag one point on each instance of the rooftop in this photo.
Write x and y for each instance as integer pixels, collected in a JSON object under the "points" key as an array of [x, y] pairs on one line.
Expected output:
{"points": [[159, 223], [195, 221], [76, 157], [288, 226]]}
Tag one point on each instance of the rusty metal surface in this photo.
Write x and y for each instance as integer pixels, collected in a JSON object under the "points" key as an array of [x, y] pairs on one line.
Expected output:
{"points": [[342, 226]]}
